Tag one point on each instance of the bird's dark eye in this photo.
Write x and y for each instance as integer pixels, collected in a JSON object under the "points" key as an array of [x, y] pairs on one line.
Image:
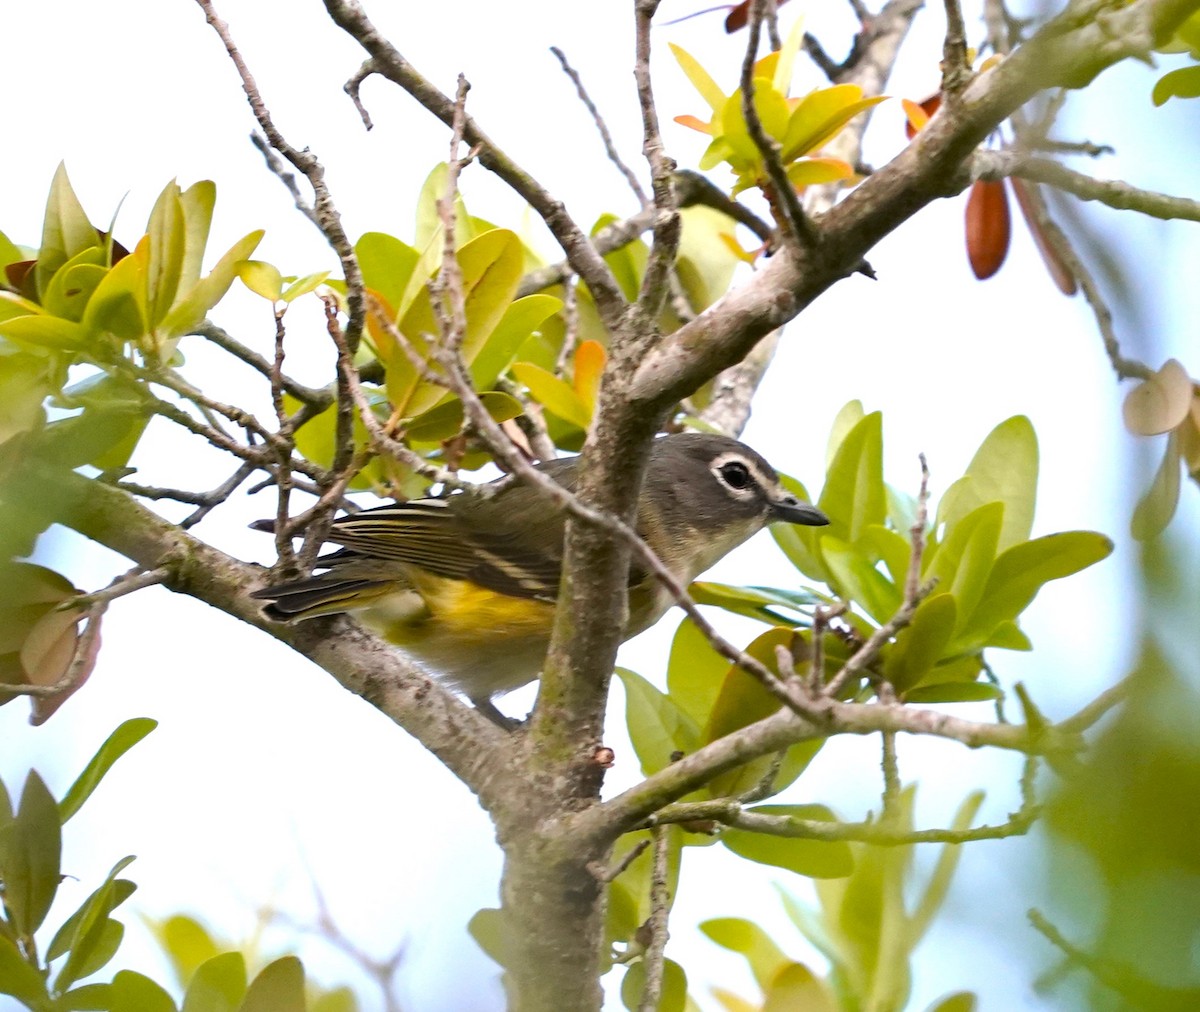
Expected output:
{"points": [[735, 474]]}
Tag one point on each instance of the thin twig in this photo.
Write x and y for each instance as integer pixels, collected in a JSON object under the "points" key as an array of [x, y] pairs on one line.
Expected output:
{"points": [[657, 924], [128, 583], [80, 666], [607, 874], [914, 594], [956, 71], [1097, 708], [610, 148], [390, 64], [353, 86], [1114, 193], [319, 399], [668, 226], [780, 193], [881, 833], [889, 764], [275, 165]]}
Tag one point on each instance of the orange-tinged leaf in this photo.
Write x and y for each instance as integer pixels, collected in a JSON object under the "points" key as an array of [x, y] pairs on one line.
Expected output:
{"points": [[989, 227], [920, 113], [590, 357], [1160, 403], [380, 313], [694, 123]]}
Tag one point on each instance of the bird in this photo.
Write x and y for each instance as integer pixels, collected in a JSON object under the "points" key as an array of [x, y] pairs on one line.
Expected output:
{"points": [[466, 583]]}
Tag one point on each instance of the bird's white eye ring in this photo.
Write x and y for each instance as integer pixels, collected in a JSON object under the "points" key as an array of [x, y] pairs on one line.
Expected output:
{"points": [[735, 474]]}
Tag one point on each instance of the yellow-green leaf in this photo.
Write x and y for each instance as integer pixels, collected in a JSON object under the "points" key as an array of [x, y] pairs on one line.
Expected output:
{"points": [[812, 858], [553, 394], [1004, 469], [919, 647], [66, 230], [821, 115], [658, 728], [446, 420], [709, 90], [262, 278], [520, 319]]}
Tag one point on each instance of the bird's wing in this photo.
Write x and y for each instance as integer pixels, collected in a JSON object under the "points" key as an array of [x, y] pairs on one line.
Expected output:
{"points": [[440, 537]]}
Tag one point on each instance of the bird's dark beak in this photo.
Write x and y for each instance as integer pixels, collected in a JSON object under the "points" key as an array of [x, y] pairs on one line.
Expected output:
{"points": [[790, 510]]}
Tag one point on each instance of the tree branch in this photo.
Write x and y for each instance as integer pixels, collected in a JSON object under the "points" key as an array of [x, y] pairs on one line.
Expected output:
{"points": [[390, 64], [469, 745]]}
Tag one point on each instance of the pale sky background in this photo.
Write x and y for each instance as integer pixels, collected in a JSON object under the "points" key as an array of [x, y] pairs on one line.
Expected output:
{"points": [[264, 773]]}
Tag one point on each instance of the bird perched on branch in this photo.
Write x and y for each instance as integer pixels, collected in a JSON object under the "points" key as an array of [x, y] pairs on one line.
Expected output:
{"points": [[467, 583]]}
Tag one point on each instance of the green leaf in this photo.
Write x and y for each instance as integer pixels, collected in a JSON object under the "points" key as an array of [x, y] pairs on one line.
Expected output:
{"points": [[218, 985], [118, 305], [801, 544], [821, 115], [854, 496], [167, 234], [754, 602], [189, 312], [657, 726], [31, 857], [279, 987], [1156, 508], [340, 999], [446, 420], [68, 292], [1181, 83], [132, 992], [197, 202], [695, 672], [186, 942], [943, 872], [701, 80], [115, 745], [89, 998], [10, 253], [491, 934], [553, 393], [1004, 469], [705, 264], [674, 987], [811, 858], [111, 895], [953, 692], [856, 579], [386, 264], [66, 230], [41, 331], [304, 285], [964, 560], [20, 979], [747, 939], [520, 320], [1021, 571], [429, 222], [959, 1001], [93, 937], [262, 278], [920, 646], [797, 987]]}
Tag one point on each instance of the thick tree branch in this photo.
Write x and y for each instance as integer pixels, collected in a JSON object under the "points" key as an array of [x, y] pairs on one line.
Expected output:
{"points": [[469, 745], [1069, 51]]}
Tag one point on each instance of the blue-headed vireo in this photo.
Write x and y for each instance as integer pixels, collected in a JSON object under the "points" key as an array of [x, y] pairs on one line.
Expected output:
{"points": [[467, 583]]}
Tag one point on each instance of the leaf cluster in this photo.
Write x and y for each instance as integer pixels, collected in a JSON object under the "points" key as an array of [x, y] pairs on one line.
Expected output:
{"points": [[50, 980]]}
